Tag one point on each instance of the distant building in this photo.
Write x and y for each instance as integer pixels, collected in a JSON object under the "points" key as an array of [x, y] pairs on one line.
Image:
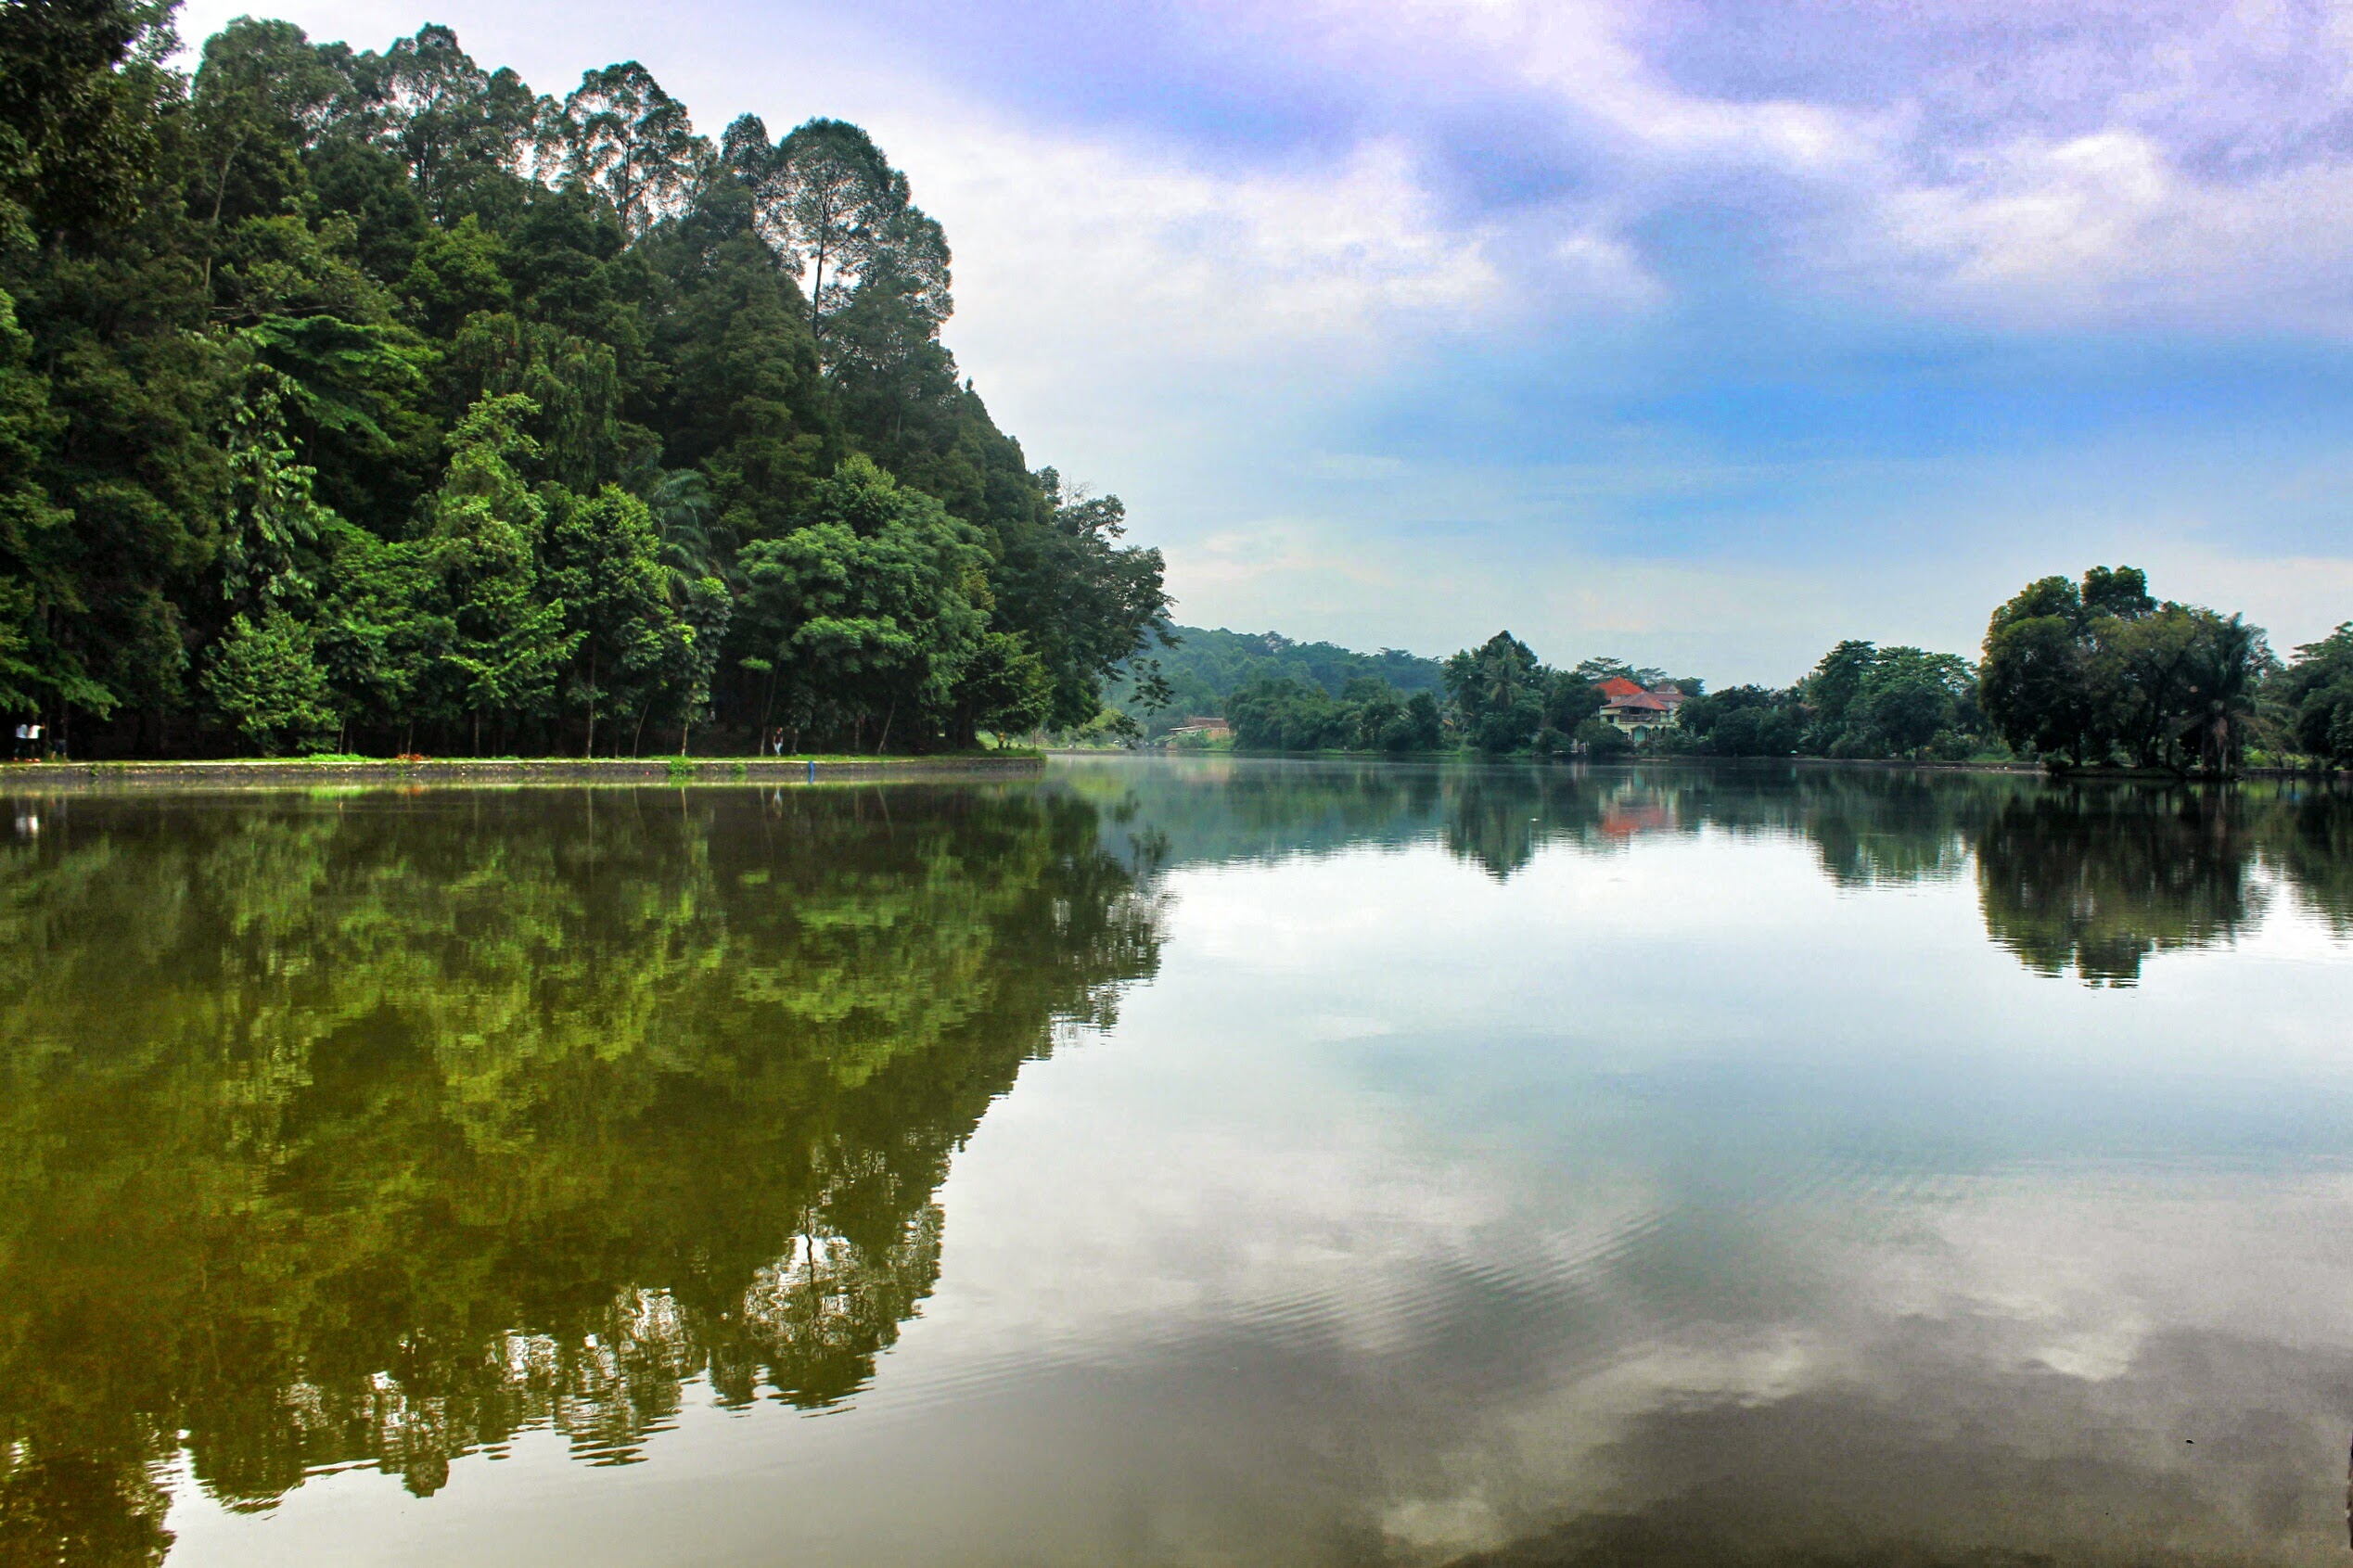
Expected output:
{"points": [[1638, 712], [1211, 725]]}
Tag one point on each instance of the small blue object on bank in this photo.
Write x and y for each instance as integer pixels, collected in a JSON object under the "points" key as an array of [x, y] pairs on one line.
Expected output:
{"points": [[813, 770]]}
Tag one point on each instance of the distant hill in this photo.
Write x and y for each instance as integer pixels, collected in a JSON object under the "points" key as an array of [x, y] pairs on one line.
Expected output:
{"points": [[1207, 666]]}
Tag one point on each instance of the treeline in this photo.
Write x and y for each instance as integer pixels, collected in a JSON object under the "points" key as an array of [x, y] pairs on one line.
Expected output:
{"points": [[1497, 699], [1190, 672], [1860, 701], [2089, 673], [2074, 674], [373, 400]]}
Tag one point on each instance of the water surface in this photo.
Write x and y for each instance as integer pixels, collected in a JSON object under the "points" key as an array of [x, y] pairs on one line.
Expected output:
{"points": [[1180, 1162]]}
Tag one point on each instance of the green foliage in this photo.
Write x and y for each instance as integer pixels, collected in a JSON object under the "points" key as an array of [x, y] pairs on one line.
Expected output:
{"points": [[1500, 690], [374, 335], [876, 603], [266, 681], [1276, 713], [1203, 668], [1601, 739], [1863, 700], [1745, 722], [2318, 692], [2089, 676]]}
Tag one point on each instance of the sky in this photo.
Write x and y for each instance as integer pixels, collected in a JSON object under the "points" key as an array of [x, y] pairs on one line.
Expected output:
{"points": [[1703, 333]]}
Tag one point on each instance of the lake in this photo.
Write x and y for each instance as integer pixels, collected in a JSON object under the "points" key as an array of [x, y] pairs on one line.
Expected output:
{"points": [[1180, 1162]]}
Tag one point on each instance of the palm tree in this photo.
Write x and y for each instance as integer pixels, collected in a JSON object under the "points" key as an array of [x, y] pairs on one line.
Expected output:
{"points": [[2224, 670]]}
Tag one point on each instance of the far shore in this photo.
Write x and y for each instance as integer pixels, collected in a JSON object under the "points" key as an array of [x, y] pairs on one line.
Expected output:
{"points": [[1703, 760], [460, 772]]}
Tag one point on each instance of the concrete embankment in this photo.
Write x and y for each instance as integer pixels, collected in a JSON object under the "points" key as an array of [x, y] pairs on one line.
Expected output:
{"points": [[465, 772]]}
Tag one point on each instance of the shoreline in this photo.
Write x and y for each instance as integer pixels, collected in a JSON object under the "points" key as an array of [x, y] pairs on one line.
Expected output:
{"points": [[1890, 764], [466, 771]]}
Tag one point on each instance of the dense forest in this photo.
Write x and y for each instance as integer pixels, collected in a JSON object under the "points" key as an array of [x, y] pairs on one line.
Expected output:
{"points": [[371, 401]]}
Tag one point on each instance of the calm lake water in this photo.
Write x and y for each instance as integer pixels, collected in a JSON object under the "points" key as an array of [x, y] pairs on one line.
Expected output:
{"points": [[1181, 1163]]}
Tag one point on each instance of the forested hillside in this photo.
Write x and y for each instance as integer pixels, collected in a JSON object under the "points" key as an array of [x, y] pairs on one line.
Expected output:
{"points": [[374, 400], [1203, 668]]}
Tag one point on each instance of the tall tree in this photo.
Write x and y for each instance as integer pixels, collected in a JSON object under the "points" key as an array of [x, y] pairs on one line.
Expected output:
{"points": [[2317, 691], [620, 134], [878, 601], [509, 642], [831, 206], [449, 120]]}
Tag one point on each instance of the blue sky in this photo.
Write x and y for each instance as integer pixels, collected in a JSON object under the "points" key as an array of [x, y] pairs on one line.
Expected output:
{"points": [[1704, 332]]}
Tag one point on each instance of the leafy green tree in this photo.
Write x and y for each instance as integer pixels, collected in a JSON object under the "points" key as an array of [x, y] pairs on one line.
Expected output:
{"points": [[631, 649], [2318, 689], [1006, 688], [1745, 722], [1834, 691], [1569, 700], [458, 272], [620, 134], [32, 530], [453, 123], [275, 519], [80, 88], [1863, 700], [573, 383], [1276, 713], [2217, 708], [1419, 726], [508, 642], [1602, 740], [830, 203], [878, 598], [2035, 682], [259, 314], [1500, 690], [266, 681], [385, 625], [1085, 602], [2080, 674]]}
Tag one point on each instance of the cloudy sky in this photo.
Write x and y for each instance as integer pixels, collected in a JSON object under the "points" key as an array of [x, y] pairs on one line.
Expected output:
{"points": [[1705, 331]]}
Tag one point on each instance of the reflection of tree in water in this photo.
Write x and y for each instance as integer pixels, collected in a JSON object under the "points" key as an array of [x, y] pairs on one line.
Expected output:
{"points": [[2089, 879], [2311, 838], [383, 1131], [2097, 879], [1869, 827]]}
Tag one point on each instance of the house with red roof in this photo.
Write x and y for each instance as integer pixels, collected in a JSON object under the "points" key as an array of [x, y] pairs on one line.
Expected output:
{"points": [[1638, 711]]}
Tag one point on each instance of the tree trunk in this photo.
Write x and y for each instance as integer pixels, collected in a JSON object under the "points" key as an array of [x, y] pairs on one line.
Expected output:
{"points": [[212, 235], [590, 749], [639, 734], [884, 739]]}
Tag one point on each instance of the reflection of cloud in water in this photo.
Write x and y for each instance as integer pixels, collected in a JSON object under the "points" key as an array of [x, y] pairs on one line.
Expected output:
{"points": [[1470, 1176]]}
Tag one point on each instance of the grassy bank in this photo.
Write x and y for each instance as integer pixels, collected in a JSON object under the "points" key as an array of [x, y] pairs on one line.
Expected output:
{"points": [[460, 772]]}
